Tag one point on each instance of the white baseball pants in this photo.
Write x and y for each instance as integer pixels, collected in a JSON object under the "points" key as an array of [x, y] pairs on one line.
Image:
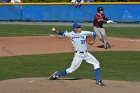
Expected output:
{"points": [[79, 57]]}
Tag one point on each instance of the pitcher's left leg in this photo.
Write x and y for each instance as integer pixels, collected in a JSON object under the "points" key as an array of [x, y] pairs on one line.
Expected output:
{"points": [[92, 60]]}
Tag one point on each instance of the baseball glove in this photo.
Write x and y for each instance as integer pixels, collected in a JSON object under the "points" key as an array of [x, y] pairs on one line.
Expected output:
{"points": [[90, 40]]}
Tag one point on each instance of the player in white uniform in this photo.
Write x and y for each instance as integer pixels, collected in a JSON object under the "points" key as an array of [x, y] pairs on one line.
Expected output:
{"points": [[78, 39]]}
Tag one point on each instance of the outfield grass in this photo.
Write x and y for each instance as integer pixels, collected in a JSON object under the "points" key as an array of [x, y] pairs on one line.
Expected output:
{"points": [[114, 66], [41, 30]]}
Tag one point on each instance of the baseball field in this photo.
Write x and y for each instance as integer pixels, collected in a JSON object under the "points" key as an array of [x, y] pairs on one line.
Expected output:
{"points": [[29, 54]]}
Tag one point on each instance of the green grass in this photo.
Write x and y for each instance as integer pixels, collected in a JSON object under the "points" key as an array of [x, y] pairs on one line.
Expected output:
{"points": [[114, 66], [23, 30], [13, 30], [127, 32], [42, 30]]}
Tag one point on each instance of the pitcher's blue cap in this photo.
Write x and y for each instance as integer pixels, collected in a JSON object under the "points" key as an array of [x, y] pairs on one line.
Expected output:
{"points": [[76, 25]]}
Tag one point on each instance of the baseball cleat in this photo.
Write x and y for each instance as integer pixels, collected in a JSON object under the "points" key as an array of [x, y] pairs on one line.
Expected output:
{"points": [[53, 76], [100, 46], [107, 45], [99, 83]]}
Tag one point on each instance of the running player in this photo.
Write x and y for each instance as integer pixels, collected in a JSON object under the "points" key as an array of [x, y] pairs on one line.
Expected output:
{"points": [[99, 20]]}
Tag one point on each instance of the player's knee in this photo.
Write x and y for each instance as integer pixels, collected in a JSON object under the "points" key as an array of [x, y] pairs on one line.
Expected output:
{"points": [[96, 65]]}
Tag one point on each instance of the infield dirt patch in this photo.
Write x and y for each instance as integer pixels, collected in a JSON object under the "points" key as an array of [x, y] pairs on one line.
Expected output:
{"points": [[14, 46]]}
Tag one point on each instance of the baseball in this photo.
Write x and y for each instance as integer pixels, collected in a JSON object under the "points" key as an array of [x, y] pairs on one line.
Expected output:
{"points": [[53, 29]]}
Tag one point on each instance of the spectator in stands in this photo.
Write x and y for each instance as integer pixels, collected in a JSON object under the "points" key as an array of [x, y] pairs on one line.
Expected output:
{"points": [[89, 0], [16, 1], [77, 3], [5, 1]]}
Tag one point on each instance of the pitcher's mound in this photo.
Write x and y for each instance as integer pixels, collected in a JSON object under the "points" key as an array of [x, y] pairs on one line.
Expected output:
{"points": [[44, 85]]}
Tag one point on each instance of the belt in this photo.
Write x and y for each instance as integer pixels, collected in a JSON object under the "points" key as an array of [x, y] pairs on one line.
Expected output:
{"points": [[80, 51]]}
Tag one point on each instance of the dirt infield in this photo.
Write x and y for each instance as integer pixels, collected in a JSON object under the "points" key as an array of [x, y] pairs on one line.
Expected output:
{"points": [[44, 85], [14, 46]]}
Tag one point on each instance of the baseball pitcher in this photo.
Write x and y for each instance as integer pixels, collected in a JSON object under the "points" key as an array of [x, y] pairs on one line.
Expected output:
{"points": [[99, 20], [78, 39]]}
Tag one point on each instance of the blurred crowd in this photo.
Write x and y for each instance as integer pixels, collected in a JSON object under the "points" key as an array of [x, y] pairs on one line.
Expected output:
{"points": [[77, 3], [12, 1], [74, 2], [18, 1]]}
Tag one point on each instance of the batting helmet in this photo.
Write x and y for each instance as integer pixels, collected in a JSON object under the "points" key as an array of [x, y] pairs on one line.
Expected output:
{"points": [[100, 9]]}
